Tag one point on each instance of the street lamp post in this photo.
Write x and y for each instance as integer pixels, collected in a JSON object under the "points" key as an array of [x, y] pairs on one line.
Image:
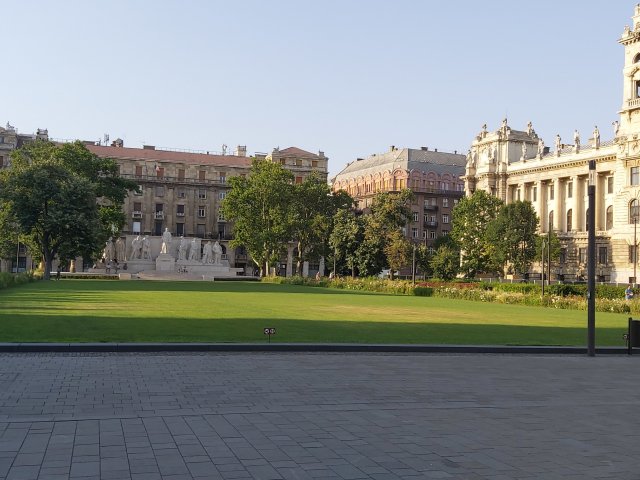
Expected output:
{"points": [[591, 264], [635, 241], [542, 275], [413, 266]]}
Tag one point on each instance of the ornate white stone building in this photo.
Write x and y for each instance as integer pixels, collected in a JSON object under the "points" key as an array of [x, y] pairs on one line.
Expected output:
{"points": [[515, 165]]}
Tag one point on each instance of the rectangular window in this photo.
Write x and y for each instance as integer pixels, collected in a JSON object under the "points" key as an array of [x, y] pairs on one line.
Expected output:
{"points": [[202, 175], [415, 217], [298, 162], [424, 235], [223, 177], [283, 161], [135, 227], [179, 228], [445, 202], [570, 190], [180, 211], [535, 194], [314, 163], [602, 255], [610, 184], [582, 255], [201, 211], [160, 172], [432, 234], [456, 201], [551, 191], [298, 180], [181, 193], [137, 206], [635, 175], [221, 216], [414, 232], [445, 218], [159, 191], [632, 257], [563, 256], [222, 195], [138, 170], [445, 233], [181, 174], [200, 230], [202, 194]]}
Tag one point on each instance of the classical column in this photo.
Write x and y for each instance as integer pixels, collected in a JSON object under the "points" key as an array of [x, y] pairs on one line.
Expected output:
{"points": [[599, 202], [523, 194], [305, 269], [576, 203], [290, 261], [321, 267], [558, 220], [539, 203]]}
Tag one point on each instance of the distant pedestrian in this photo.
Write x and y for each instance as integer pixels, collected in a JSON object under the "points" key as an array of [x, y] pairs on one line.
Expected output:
{"points": [[58, 273], [628, 293]]}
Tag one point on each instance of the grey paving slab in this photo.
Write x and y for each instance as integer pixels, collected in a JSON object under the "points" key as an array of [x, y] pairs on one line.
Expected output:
{"points": [[317, 416]]}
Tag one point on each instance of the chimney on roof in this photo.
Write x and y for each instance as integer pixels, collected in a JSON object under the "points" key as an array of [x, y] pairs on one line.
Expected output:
{"points": [[435, 150], [392, 148], [118, 142], [455, 152], [148, 147], [241, 151], [424, 149], [320, 153]]}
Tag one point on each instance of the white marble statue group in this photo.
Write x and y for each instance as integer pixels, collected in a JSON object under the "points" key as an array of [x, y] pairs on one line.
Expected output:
{"points": [[114, 251], [211, 253], [140, 248]]}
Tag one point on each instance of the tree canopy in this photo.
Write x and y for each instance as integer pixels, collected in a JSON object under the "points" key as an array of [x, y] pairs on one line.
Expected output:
{"points": [[64, 198], [471, 218]]}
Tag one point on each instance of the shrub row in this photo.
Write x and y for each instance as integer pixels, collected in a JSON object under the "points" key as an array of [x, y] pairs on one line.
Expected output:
{"points": [[8, 280], [367, 284]]}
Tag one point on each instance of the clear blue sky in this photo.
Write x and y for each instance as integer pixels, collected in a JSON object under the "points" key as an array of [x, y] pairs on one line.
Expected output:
{"points": [[349, 77]]}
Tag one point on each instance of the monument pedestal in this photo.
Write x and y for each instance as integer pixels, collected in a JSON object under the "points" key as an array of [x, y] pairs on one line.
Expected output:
{"points": [[165, 263]]}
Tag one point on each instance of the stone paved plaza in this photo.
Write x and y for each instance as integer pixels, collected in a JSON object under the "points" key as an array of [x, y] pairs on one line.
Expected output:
{"points": [[318, 416]]}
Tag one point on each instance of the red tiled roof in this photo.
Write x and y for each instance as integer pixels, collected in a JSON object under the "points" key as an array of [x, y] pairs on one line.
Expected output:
{"points": [[297, 151], [169, 156]]}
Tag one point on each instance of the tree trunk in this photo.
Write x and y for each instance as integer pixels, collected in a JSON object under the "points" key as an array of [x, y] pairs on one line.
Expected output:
{"points": [[48, 265]]}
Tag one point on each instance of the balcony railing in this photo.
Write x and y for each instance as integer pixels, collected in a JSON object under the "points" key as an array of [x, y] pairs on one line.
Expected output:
{"points": [[634, 102], [179, 214], [136, 214], [159, 215], [165, 179], [431, 224], [431, 208]]}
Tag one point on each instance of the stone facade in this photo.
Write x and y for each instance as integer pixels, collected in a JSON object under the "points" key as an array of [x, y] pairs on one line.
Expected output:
{"points": [[435, 178], [181, 190], [515, 165]]}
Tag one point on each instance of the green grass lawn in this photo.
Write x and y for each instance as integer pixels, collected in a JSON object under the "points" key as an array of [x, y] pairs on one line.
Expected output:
{"points": [[138, 311]]}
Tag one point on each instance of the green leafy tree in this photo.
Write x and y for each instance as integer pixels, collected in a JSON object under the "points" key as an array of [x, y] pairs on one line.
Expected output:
{"points": [[423, 260], [445, 262], [346, 237], [56, 193], [513, 235], [260, 207], [312, 210], [556, 246], [471, 218], [389, 212], [398, 251]]}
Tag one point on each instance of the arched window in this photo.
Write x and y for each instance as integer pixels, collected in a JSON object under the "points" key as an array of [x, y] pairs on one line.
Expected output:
{"points": [[609, 217], [550, 221], [569, 220], [634, 210]]}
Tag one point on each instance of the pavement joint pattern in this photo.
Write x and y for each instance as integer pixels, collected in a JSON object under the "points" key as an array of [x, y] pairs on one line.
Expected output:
{"points": [[318, 416]]}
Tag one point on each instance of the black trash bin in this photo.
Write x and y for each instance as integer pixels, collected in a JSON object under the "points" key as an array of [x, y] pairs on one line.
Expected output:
{"points": [[633, 335]]}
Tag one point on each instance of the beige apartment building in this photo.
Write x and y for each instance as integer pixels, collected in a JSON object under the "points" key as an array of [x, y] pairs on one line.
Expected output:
{"points": [[180, 190], [436, 179], [516, 165]]}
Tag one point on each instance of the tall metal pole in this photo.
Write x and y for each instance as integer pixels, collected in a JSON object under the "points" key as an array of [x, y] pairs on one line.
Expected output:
{"points": [[18, 254], [635, 242], [549, 255], [413, 266], [543, 270], [591, 264]]}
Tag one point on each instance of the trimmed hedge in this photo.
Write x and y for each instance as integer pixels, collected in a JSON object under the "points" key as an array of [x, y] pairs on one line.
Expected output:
{"points": [[367, 284]]}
